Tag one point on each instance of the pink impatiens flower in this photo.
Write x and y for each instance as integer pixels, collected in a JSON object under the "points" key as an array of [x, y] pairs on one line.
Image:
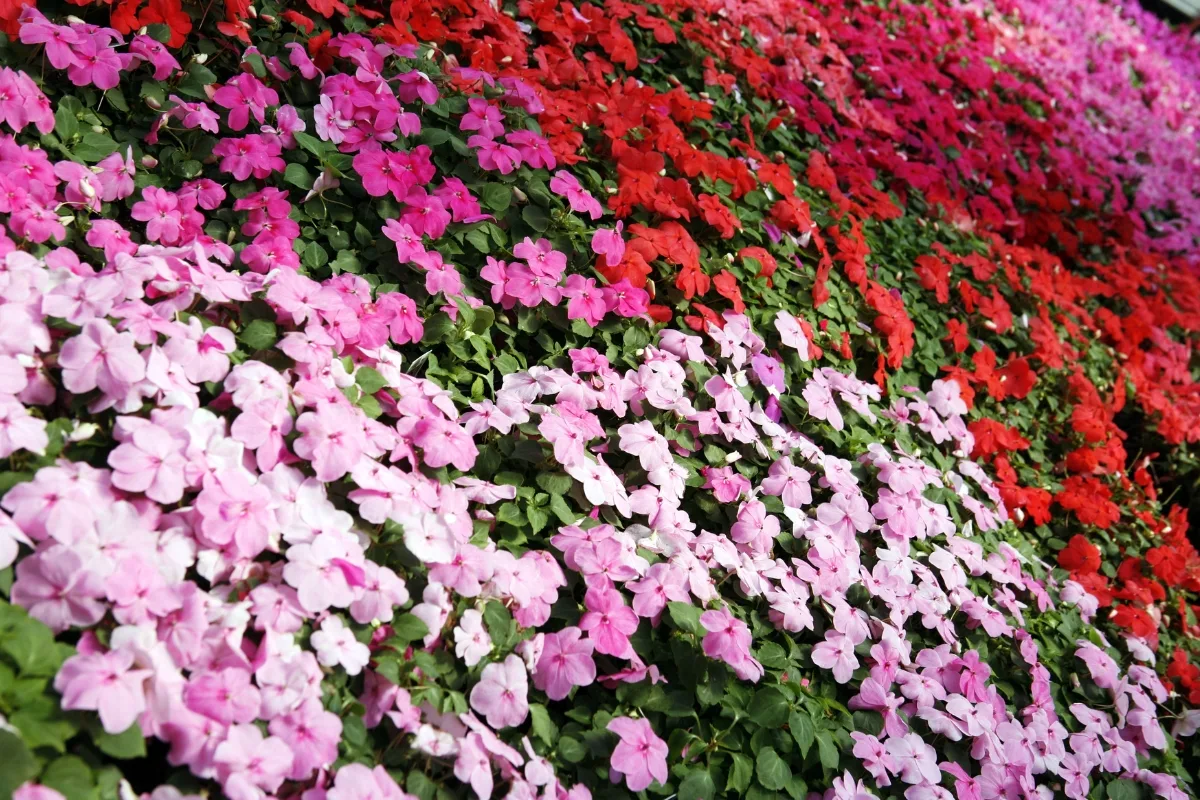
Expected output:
{"points": [[336, 646], [359, 782], [836, 653], [565, 662], [640, 757], [502, 692], [106, 683], [99, 357], [56, 588], [159, 209], [249, 764], [608, 621], [151, 461]]}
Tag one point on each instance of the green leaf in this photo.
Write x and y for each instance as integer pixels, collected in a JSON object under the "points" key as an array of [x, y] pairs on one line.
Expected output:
{"points": [[769, 708], [95, 146], [298, 175], [260, 334], [698, 785], [418, 784], [128, 744], [571, 749], [1123, 789], [369, 380], [311, 143], [499, 622], [198, 76], [408, 628], [543, 727], [65, 123], [437, 327], [32, 648], [803, 731], [828, 750], [536, 218], [159, 32], [555, 482], [17, 765], [740, 775], [772, 771], [496, 197], [71, 776], [685, 616], [346, 261]]}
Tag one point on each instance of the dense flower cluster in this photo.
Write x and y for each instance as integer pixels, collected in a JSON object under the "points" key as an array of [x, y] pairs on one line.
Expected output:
{"points": [[535, 400]]}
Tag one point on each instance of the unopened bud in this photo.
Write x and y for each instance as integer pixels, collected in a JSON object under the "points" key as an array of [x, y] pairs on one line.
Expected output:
{"points": [[87, 189], [520, 196], [74, 20], [97, 129], [601, 107], [201, 58], [142, 31], [153, 103], [267, 18], [149, 162], [252, 11]]}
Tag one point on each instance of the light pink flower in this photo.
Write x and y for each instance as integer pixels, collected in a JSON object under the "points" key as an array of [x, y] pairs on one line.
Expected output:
{"points": [[565, 662], [640, 757], [106, 683], [501, 694]]}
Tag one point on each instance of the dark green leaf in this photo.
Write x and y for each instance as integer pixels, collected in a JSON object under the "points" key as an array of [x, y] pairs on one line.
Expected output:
{"points": [[772, 771]]}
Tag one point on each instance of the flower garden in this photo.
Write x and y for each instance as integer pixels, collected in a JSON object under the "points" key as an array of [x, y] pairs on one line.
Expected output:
{"points": [[551, 401]]}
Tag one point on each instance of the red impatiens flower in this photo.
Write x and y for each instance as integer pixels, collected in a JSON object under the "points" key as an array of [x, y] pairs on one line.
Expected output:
{"points": [[1135, 620], [1079, 556]]}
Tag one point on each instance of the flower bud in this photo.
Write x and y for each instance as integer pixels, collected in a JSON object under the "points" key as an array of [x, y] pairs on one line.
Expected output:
{"points": [[153, 103], [86, 188], [149, 162], [201, 58], [97, 129], [519, 196]]}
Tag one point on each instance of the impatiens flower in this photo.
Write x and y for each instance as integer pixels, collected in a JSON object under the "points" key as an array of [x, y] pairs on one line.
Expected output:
{"points": [[359, 782], [501, 694], [248, 764], [915, 760], [565, 662], [473, 766], [608, 622], [151, 461], [225, 695], [640, 756], [159, 209], [836, 653], [312, 734], [471, 639], [567, 185], [336, 646], [56, 587], [608, 243], [99, 357], [236, 510], [331, 439], [728, 640], [245, 96], [106, 683]]}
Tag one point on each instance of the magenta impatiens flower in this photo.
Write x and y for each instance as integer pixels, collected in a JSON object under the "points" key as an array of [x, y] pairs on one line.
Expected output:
{"points": [[640, 756], [502, 692], [565, 662], [245, 96]]}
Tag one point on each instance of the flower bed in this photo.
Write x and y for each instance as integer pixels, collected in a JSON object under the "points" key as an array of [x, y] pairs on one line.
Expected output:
{"points": [[694, 399]]}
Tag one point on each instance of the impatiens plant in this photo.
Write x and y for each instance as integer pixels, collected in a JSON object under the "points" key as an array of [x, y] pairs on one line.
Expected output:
{"points": [[550, 400]]}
